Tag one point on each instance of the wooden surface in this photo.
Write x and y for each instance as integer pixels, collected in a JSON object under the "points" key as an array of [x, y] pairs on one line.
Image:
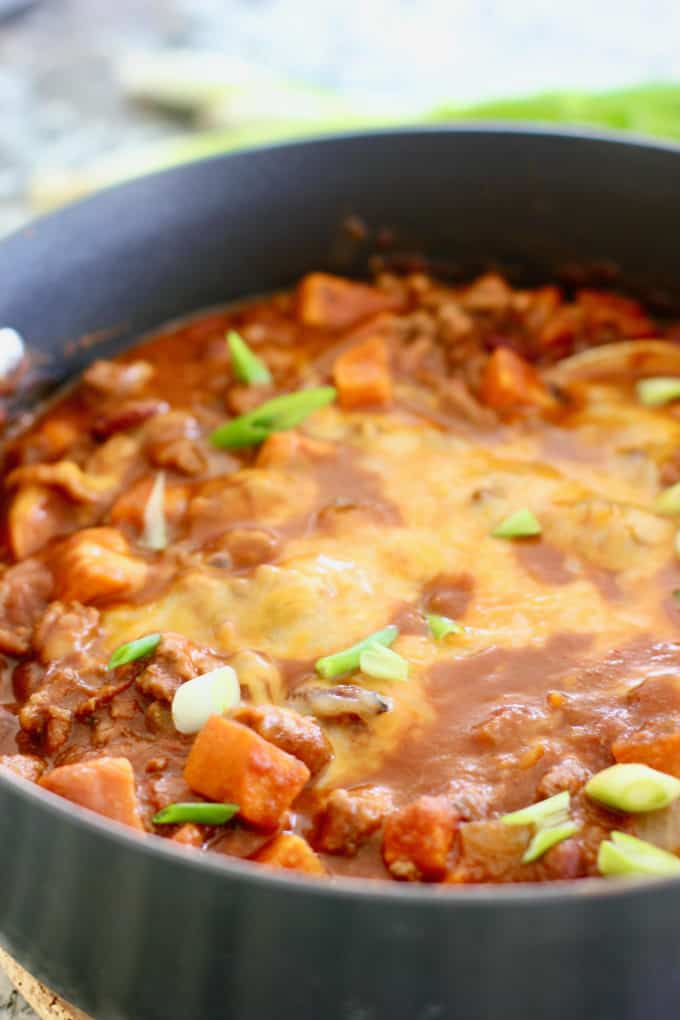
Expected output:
{"points": [[46, 1004]]}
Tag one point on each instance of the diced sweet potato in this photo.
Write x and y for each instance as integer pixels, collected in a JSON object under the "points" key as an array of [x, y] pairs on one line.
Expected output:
{"points": [[351, 817], [36, 515], [104, 785], [362, 374], [96, 564], [662, 753], [231, 763], [285, 449], [335, 303], [418, 839], [292, 853], [509, 382], [189, 835]]}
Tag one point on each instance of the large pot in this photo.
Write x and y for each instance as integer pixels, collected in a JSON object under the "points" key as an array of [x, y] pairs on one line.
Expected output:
{"points": [[130, 928]]}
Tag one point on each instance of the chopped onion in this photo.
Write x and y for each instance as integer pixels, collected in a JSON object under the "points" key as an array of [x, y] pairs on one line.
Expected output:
{"points": [[633, 788], [12, 351], [521, 524], [625, 855], [629, 357], [155, 530], [661, 827], [212, 693], [382, 663]]}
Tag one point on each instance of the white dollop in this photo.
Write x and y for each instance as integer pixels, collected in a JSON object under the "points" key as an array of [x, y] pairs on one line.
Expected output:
{"points": [[155, 530], [212, 693], [12, 350]]}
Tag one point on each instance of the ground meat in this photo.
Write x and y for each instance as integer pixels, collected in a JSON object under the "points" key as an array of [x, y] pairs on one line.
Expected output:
{"points": [[24, 593], [45, 720], [349, 818], [128, 415], [172, 440], [418, 840], [103, 696], [299, 735], [469, 799], [569, 774], [175, 660], [118, 380], [66, 629]]}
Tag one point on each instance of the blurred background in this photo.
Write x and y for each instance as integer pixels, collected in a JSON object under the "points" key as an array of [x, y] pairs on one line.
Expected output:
{"points": [[92, 91]]}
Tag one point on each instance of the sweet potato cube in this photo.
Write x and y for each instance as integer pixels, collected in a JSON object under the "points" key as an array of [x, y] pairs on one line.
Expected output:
{"points": [[362, 374], [662, 753], [104, 785], [97, 564], [509, 382], [418, 839], [233, 764], [335, 303], [292, 853]]}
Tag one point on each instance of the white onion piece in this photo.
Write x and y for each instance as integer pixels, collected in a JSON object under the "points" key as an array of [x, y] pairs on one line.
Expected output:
{"points": [[635, 358], [12, 351], [155, 530], [662, 828], [213, 693]]}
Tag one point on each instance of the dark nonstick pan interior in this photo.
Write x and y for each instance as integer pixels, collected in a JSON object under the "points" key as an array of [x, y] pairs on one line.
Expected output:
{"points": [[133, 930]]}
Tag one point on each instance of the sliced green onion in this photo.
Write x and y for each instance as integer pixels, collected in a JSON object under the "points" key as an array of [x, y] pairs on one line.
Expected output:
{"points": [[626, 855], [676, 594], [196, 700], [133, 650], [544, 815], [544, 839], [275, 415], [155, 530], [202, 814], [382, 663], [441, 626], [347, 660], [668, 501], [633, 788], [248, 368], [655, 392], [521, 524]]}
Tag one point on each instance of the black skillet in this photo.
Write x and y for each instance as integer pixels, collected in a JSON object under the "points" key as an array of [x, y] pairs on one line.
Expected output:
{"points": [[132, 929]]}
